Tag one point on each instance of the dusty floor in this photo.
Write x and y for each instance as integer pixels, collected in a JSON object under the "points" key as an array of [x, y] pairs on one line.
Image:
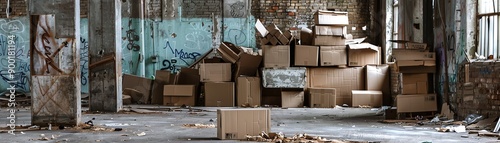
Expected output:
{"points": [[354, 124]]}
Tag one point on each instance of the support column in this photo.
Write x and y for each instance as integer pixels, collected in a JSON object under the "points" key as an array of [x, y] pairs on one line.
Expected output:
{"points": [[55, 62], [105, 68]]}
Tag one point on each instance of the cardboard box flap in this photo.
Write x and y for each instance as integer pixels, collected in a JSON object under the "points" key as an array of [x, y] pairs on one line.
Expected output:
{"points": [[179, 90], [363, 46], [229, 52], [261, 28], [365, 92], [247, 65]]}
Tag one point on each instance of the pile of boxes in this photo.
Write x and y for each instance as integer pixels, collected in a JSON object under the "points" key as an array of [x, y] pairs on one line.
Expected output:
{"points": [[415, 65]]}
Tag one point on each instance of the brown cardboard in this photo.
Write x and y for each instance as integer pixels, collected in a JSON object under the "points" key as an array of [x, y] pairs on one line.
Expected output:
{"points": [[261, 28], [306, 55], [141, 84], [327, 30], [273, 29], [273, 40], [276, 56], [247, 65], [322, 97], [248, 91], [229, 52], [215, 72], [188, 76], [378, 79], [271, 97], [416, 103], [363, 54], [414, 83], [236, 124], [288, 34], [328, 40], [344, 80], [413, 55], [219, 94], [179, 90], [333, 55], [323, 17], [177, 95], [283, 40], [366, 97], [306, 36], [161, 78], [292, 99]]}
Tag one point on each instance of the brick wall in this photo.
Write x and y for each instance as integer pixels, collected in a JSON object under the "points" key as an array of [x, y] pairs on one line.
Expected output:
{"points": [[200, 8], [84, 8], [280, 12], [18, 7], [481, 94]]}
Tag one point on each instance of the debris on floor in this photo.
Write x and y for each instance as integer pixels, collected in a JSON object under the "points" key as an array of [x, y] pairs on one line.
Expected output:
{"points": [[199, 126], [141, 134], [297, 138], [452, 128]]}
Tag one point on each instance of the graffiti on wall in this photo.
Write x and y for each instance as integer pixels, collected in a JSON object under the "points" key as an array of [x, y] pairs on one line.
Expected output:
{"points": [[237, 36], [16, 29], [235, 8], [84, 61], [179, 55]]}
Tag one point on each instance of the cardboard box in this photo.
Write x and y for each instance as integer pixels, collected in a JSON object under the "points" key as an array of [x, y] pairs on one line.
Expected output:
{"points": [[273, 40], [282, 38], [188, 76], [306, 55], [306, 36], [328, 40], [161, 78], [366, 97], [344, 80], [247, 65], [141, 84], [215, 72], [323, 17], [276, 56], [327, 30], [413, 55], [292, 99], [322, 97], [363, 54], [219, 94], [333, 55], [416, 46], [292, 77], [414, 83], [177, 95], [261, 28], [229, 52], [273, 29], [236, 124], [248, 91], [378, 79], [416, 103]]}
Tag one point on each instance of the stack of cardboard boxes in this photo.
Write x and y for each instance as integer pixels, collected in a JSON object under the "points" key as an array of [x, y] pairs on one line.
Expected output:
{"points": [[415, 64]]}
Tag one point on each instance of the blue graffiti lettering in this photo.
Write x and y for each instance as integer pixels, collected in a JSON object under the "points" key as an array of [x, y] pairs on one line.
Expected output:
{"points": [[183, 56], [84, 54], [21, 79], [168, 65], [237, 36]]}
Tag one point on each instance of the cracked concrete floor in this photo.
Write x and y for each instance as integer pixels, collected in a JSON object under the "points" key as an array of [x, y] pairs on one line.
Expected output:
{"points": [[354, 124]]}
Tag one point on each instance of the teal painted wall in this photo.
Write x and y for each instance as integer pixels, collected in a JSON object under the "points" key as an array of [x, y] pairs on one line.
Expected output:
{"points": [[177, 43]]}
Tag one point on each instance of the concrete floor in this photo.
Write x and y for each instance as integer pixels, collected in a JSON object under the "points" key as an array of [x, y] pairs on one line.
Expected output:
{"points": [[354, 124]]}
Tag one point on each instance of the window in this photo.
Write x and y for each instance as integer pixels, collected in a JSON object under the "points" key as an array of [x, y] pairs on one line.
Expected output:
{"points": [[395, 23], [489, 40]]}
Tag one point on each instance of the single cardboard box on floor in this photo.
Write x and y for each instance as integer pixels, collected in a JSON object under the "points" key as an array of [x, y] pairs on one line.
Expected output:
{"points": [[276, 56], [323, 17], [177, 95], [333, 55], [366, 98], [344, 80], [141, 84], [219, 94], [322, 97], [292, 99], [215, 72], [306, 55], [414, 83], [236, 124], [416, 103], [249, 91], [363, 54]]}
